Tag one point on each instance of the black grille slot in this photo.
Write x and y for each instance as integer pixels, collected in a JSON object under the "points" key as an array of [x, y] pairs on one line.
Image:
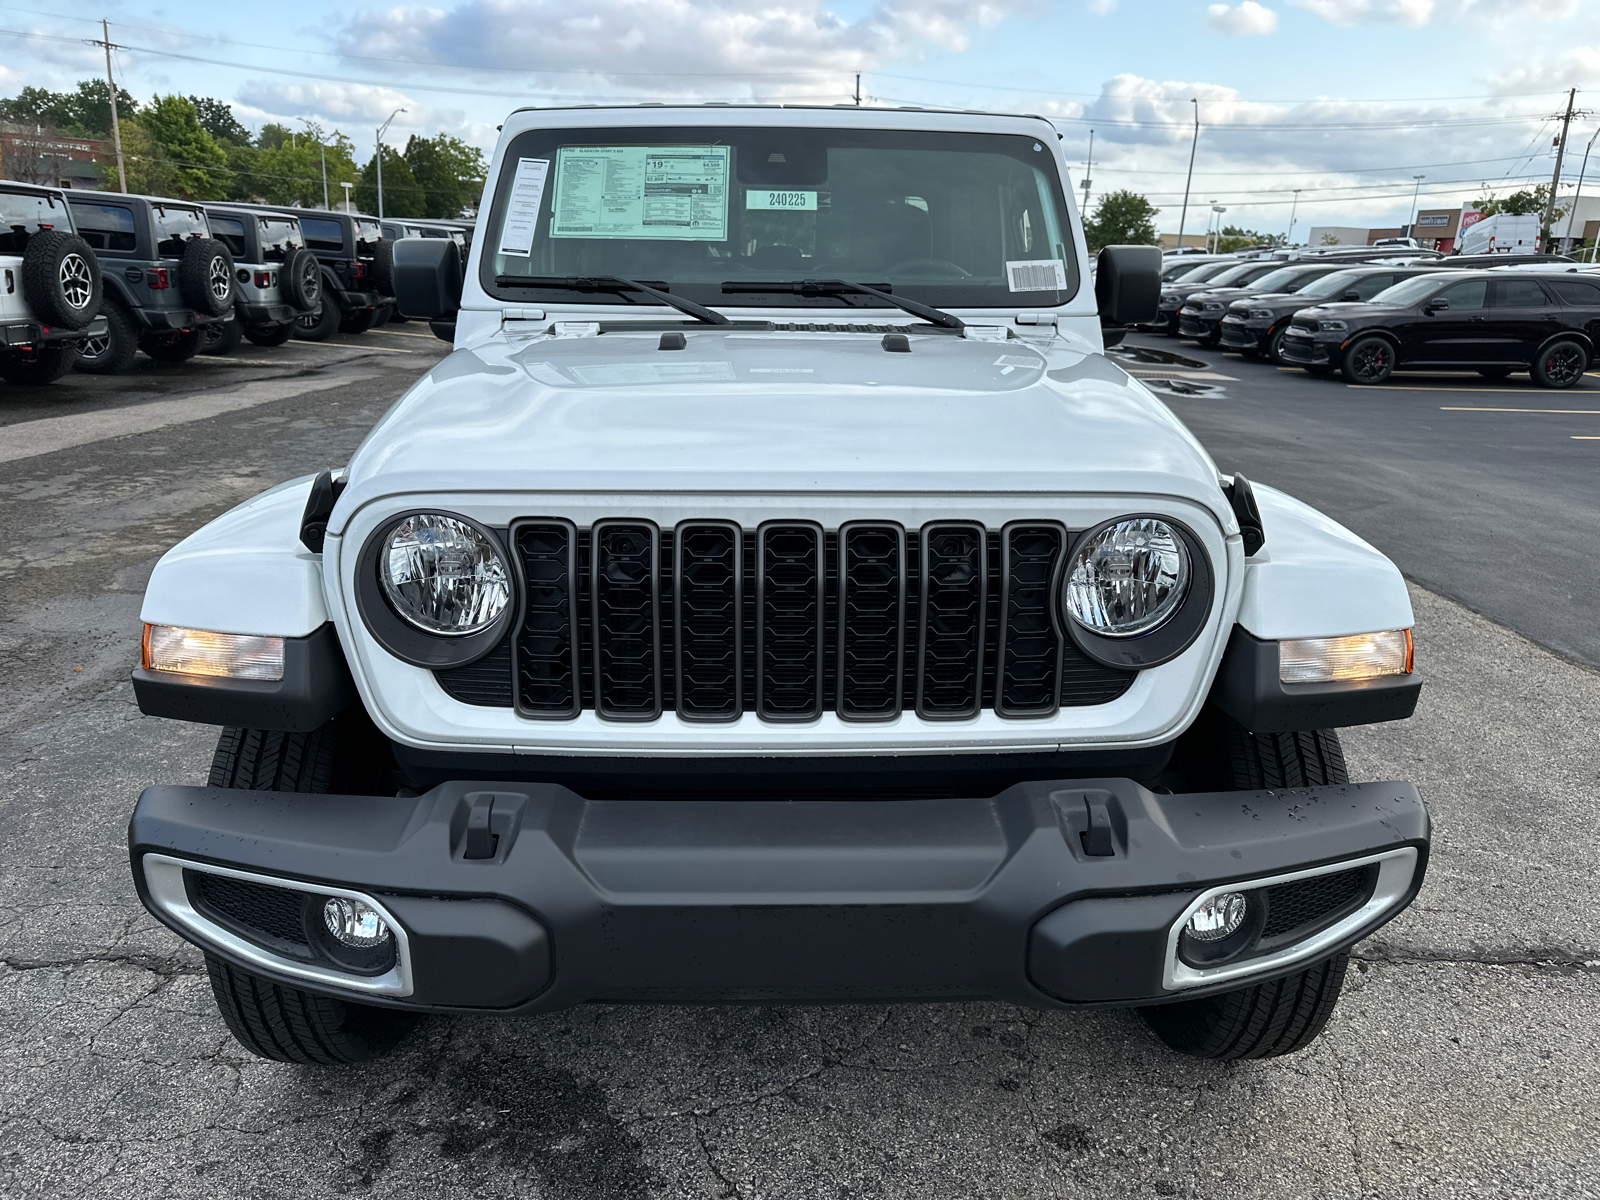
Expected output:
{"points": [[1029, 661], [625, 574], [789, 621], [547, 645], [486, 683], [1313, 901], [255, 908], [952, 621], [872, 620], [790, 575], [708, 577]]}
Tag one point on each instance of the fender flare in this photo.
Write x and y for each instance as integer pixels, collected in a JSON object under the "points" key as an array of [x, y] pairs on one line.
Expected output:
{"points": [[1568, 335]]}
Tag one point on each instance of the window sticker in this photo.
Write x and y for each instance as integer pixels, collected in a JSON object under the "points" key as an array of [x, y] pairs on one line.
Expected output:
{"points": [[1038, 275], [671, 193], [765, 200], [522, 206]]}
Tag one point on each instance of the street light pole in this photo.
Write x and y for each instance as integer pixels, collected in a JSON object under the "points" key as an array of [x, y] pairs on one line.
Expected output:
{"points": [[1572, 213], [1293, 208], [1195, 145], [348, 207], [1216, 247], [1411, 227], [378, 155]]}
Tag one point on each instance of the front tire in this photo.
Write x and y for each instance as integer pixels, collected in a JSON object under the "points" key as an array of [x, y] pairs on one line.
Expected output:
{"points": [[1263, 1021], [1560, 364], [1368, 361], [1274, 349], [289, 1025]]}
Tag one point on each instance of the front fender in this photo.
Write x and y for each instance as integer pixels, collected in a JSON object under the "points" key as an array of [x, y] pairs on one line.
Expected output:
{"points": [[245, 572]]}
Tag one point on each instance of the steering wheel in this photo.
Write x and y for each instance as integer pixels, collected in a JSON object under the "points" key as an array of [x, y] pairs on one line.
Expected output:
{"points": [[928, 266]]}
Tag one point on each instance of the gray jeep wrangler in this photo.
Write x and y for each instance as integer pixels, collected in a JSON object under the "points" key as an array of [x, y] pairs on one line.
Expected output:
{"points": [[277, 280], [49, 285]]}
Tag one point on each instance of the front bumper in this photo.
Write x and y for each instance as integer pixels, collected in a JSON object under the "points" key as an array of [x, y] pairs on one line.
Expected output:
{"points": [[525, 897], [1238, 335], [1306, 351], [1198, 325]]}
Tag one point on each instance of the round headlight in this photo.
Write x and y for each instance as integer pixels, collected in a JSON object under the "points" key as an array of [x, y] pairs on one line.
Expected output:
{"points": [[444, 575], [1127, 578]]}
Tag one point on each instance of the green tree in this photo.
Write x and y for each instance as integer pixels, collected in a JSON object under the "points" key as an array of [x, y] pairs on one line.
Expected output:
{"points": [[150, 172], [1234, 238], [1122, 218], [273, 135], [198, 163], [217, 119], [401, 195], [1519, 204], [85, 112], [1330, 239], [448, 170], [288, 168]]}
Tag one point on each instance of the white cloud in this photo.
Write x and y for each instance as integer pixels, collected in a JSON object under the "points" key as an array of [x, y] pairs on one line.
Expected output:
{"points": [[1353, 12], [1575, 65], [1101, 8], [1243, 19], [692, 48]]}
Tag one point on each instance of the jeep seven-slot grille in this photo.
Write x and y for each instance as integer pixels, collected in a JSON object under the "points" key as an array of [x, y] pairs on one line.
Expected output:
{"points": [[786, 621]]}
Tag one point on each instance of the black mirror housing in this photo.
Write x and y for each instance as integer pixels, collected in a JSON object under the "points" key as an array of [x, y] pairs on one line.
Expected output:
{"points": [[427, 278], [1127, 284], [1437, 305]]}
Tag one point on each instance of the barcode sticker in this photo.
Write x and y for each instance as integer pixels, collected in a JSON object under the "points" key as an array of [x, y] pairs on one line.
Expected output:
{"points": [[1038, 275]]}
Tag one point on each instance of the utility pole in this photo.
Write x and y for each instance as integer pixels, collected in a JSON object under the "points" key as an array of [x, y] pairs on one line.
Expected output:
{"points": [[1088, 169], [1555, 179], [1411, 228], [858, 89], [1183, 216], [111, 87]]}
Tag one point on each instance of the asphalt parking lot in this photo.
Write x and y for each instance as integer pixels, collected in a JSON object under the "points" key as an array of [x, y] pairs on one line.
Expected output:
{"points": [[1464, 1059]]}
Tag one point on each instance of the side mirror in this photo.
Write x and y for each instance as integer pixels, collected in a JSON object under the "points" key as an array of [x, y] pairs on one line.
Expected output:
{"points": [[1437, 305], [427, 278], [1351, 296], [1127, 284]]}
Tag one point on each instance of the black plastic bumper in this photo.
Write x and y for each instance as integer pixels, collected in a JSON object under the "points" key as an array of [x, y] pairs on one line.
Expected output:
{"points": [[1303, 351], [266, 314], [528, 897], [32, 333], [1239, 336], [1191, 325], [1248, 689], [351, 300]]}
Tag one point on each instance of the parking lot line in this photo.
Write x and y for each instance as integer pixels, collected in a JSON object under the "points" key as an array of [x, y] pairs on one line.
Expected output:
{"points": [[404, 333], [1574, 412], [349, 346], [1433, 387], [1586, 437]]}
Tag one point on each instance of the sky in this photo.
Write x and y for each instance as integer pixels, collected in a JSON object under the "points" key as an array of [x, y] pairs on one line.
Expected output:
{"points": [[1345, 100]]}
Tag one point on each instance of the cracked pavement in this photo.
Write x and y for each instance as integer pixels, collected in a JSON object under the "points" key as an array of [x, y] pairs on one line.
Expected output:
{"points": [[1463, 1060]]}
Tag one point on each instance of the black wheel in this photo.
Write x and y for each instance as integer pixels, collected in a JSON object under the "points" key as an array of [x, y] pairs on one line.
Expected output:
{"points": [[1273, 352], [319, 324], [1369, 360], [61, 279], [221, 337], [1262, 1021], [301, 279], [1494, 372], [1217, 754], [112, 352], [171, 348], [1172, 325], [358, 321], [1560, 364], [205, 277], [41, 365], [381, 268], [269, 335], [1210, 340], [289, 1025]]}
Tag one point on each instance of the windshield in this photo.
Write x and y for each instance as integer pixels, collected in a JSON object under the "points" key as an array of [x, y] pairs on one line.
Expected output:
{"points": [[1173, 272], [23, 214], [1208, 271], [1409, 291], [280, 237], [174, 227], [1281, 280], [944, 218], [1228, 275], [1331, 285]]}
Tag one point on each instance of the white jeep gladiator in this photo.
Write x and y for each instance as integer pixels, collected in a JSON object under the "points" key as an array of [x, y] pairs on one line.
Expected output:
{"points": [[777, 595]]}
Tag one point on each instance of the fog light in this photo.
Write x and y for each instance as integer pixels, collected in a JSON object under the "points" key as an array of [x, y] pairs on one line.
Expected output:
{"points": [[201, 652], [1219, 917], [354, 923], [1359, 656]]}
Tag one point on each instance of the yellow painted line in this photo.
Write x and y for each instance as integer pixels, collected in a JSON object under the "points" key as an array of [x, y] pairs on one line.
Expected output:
{"points": [[1575, 412], [403, 333], [355, 348], [1391, 387], [1586, 437]]}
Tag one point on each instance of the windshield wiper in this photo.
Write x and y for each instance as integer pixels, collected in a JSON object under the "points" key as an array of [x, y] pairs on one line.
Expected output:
{"points": [[612, 283], [843, 287]]}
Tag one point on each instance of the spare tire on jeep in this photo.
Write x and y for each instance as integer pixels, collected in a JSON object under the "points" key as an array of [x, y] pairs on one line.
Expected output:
{"points": [[205, 277], [302, 279], [383, 266], [61, 279]]}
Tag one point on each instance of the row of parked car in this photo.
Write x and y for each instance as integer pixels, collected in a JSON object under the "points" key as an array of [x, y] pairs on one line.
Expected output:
{"points": [[89, 280], [1366, 315]]}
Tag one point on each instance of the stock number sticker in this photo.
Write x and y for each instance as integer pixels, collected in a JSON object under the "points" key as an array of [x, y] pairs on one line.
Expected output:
{"points": [[761, 200]]}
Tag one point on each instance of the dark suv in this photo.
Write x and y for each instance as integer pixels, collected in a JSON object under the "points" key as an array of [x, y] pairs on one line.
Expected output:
{"points": [[277, 280], [50, 285], [1255, 324], [1495, 322], [165, 276], [1173, 295], [1201, 316]]}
